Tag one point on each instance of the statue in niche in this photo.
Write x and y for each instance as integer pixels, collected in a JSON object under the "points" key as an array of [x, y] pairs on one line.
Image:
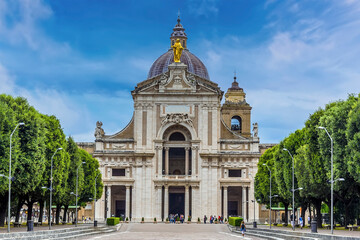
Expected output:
{"points": [[99, 132], [177, 50], [255, 129]]}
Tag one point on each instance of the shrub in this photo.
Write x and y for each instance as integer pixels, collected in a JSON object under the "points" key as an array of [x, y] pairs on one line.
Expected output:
{"points": [[142, 219], [235, 221], [167, 219], [189, 219], [198, 219], [127, 219], [178, 219], [154, 219], [121, 219], [112, 221]]}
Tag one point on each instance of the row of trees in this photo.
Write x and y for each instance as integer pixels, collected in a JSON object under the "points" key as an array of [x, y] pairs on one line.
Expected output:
{"points": [[310, 147], [32, 147]]}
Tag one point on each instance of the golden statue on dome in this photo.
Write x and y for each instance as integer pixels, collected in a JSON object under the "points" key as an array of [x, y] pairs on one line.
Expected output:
{"points": [[177, 50]]}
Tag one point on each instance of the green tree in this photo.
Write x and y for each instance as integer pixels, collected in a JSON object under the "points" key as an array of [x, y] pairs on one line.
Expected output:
{"points": [[91, 169], [335, 120], [310, 167], [262, 179], [283, 169], [28, 165], [55, 138], [7, 125], [353, 139]]}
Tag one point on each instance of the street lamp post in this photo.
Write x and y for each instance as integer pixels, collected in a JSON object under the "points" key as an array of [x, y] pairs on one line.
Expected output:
{"points": [[270, 193], [51, 188], [332, 181], [77, 179], [254, 201], [95, 223], [9, 201]]}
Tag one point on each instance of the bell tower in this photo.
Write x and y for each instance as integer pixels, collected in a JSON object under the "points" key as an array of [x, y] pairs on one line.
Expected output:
{"points": [[236, 112]]}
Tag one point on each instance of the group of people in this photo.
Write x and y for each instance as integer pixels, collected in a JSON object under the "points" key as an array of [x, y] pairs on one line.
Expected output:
{"points": [[212, 219], [174, 217]]}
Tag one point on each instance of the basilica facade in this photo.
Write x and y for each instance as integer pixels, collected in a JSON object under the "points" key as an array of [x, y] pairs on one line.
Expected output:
{"points": [[185, 150]]}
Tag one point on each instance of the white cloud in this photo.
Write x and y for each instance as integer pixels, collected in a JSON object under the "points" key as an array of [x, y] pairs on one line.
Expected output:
{"points": [[6, 81], [23, 29], [298, 69], [203, 7], [48, 101]]}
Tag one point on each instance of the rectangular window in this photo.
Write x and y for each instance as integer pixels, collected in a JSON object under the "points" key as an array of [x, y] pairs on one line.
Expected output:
{"points": [[118, 172], [235, 173]]}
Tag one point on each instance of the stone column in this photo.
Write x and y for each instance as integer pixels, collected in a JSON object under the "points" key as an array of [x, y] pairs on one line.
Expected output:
{"points": [[166, 161], [166, 202], [159, 159], [244, 204], [225, 202], [127, 202], [193, 161], [187, 160], [158, 203], [186, 214], [109, 202]]}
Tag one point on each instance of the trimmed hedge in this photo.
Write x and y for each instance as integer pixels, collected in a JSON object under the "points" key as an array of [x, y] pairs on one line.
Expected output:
{"points": [[235, 221], [112, 221]]}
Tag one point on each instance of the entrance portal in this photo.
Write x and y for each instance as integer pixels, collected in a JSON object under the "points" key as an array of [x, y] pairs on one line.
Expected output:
{"points": [[234, 201], [176, 200], [120, 208]]}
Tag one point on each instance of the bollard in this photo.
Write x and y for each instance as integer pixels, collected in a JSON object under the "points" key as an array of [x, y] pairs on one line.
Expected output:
{"points": [[95, 223], [313, 226], [254, 225]]}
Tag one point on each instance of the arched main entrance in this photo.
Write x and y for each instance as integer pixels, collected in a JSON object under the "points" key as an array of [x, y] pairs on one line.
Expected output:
{"points": [[177, 151]]}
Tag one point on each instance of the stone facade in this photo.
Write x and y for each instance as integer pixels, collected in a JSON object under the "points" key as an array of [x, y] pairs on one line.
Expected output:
{"points": [[182, 152]]}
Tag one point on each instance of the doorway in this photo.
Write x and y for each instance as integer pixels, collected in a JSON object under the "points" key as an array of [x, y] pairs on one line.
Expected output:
{"points": [[177, 200]]}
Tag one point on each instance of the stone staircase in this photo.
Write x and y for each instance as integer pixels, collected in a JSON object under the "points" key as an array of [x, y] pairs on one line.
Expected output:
{"points": [[65, 233], [289, 235]]}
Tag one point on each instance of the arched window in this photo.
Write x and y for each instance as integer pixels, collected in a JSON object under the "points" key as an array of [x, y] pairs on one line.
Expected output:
{"points": [[236, 123], [177, 136]]}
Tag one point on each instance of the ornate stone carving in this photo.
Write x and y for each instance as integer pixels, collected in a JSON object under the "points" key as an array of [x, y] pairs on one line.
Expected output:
{"points": [[99, 132], [158, 147], [255, 129], [194, 148], [164, 78], [118, 146], [191, 79], [177, 118]]}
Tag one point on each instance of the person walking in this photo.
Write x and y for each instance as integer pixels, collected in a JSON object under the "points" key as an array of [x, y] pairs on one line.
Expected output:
{"points": [[301, 222], [205, 218], [243, 228]]}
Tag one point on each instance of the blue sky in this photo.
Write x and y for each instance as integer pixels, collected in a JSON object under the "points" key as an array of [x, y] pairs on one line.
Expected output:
{"points": [[80, 59]]}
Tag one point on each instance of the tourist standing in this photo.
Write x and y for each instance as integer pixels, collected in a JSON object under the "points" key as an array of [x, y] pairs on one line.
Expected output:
{"points": [[243, 228], [301, 222], [205, 218]]}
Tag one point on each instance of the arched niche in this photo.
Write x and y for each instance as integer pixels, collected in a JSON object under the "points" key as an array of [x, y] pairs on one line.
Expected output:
{"points": [[236, 123]]}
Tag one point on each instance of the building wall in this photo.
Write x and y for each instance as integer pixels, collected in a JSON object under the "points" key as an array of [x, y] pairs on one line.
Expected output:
{"points": [[193, 108]]}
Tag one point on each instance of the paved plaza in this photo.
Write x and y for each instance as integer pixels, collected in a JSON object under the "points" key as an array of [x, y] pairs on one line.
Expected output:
{"points": [[163, 231]]}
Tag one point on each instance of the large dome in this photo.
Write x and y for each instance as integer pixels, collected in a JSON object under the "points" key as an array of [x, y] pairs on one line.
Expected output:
{"points": [[194, 64]]}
